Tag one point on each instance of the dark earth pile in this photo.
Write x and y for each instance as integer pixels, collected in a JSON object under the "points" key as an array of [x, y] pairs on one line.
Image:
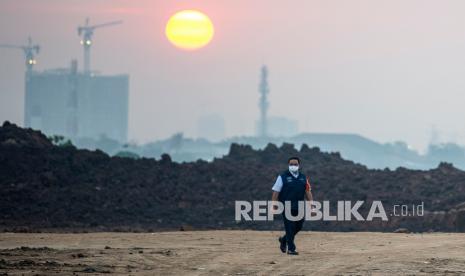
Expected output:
{"points": [[49, 187]]}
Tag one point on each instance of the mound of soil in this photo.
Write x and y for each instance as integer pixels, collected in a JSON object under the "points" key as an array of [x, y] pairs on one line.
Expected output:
{"points": [[48, 187]]}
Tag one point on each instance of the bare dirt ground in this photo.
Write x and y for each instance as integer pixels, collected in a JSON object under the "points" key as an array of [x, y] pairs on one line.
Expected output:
{"points": [[231, 253]]}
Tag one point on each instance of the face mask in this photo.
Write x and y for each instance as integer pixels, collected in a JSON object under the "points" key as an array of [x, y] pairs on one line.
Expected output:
{"points": [[293, 168]]}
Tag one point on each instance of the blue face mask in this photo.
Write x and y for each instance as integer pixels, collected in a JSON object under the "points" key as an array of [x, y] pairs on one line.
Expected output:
{"points": [[293, 168]]}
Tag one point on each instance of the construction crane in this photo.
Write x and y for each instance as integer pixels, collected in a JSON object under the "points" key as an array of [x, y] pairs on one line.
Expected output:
{"points": [[86, 32], [30, 50]]}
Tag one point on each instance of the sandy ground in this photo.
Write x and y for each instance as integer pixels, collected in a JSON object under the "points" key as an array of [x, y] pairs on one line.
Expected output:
{"points": [[231, 253]]}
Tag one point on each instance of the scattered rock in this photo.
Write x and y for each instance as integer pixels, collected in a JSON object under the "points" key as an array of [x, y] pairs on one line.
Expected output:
{"points": [[78, 255], [165, 252], [89, 270], [186, 227], [402, 230]]}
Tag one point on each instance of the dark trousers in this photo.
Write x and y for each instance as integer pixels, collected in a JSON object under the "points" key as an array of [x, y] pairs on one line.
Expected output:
{"points": [[292, 228]]}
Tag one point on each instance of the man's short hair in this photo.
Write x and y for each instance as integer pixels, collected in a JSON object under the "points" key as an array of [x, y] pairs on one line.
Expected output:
{"points": [[293, 158]]}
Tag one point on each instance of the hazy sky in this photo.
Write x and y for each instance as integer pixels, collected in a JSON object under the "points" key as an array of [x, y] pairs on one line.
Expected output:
{"points": [[389, 70]]}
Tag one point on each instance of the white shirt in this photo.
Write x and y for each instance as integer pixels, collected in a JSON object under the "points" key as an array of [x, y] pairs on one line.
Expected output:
{"points": [[278, 185]]}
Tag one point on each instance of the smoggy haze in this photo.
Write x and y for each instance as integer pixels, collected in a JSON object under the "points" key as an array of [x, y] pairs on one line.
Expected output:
{"points": [[389, 70]]}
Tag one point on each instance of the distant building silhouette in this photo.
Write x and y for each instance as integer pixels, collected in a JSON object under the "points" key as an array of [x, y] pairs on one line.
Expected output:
{"points": [[211, 127], [77, 105]]}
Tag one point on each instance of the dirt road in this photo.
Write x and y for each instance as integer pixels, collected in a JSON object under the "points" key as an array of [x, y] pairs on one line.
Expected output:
{"points": [[231, 253]]}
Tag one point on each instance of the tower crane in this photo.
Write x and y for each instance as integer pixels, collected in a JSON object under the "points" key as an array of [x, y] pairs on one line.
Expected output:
{"points": [[86, 32], [30, 50]]}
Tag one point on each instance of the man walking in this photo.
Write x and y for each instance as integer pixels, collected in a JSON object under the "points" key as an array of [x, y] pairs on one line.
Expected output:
{"points": [[291, 186]]}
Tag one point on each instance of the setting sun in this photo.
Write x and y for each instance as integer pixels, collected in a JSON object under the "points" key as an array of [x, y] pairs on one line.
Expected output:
{"points": [[189, 30]]}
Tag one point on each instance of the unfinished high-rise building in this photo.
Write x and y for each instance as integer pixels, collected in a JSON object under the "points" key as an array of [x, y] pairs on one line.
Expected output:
{"points": [[77, 104]]}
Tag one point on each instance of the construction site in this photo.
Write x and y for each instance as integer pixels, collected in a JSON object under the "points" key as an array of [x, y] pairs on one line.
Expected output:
{"points": [[72, 103]]}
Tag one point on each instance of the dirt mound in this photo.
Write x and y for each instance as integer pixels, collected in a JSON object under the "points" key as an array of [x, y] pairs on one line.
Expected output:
{"points": [[60, 187], [12, 136]]}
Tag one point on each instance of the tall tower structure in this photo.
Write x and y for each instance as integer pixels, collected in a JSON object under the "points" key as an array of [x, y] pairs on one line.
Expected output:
{"points": [[263, 103], [72, 101], [30, 50], [87, 32]]}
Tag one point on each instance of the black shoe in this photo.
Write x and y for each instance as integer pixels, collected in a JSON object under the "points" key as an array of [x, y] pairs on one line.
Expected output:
{"points": [[282, 244], [289, 252]]}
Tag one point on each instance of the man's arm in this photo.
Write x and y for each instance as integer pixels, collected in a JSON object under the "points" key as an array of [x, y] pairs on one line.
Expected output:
{"points": [[278, 185], [274, 198]]}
